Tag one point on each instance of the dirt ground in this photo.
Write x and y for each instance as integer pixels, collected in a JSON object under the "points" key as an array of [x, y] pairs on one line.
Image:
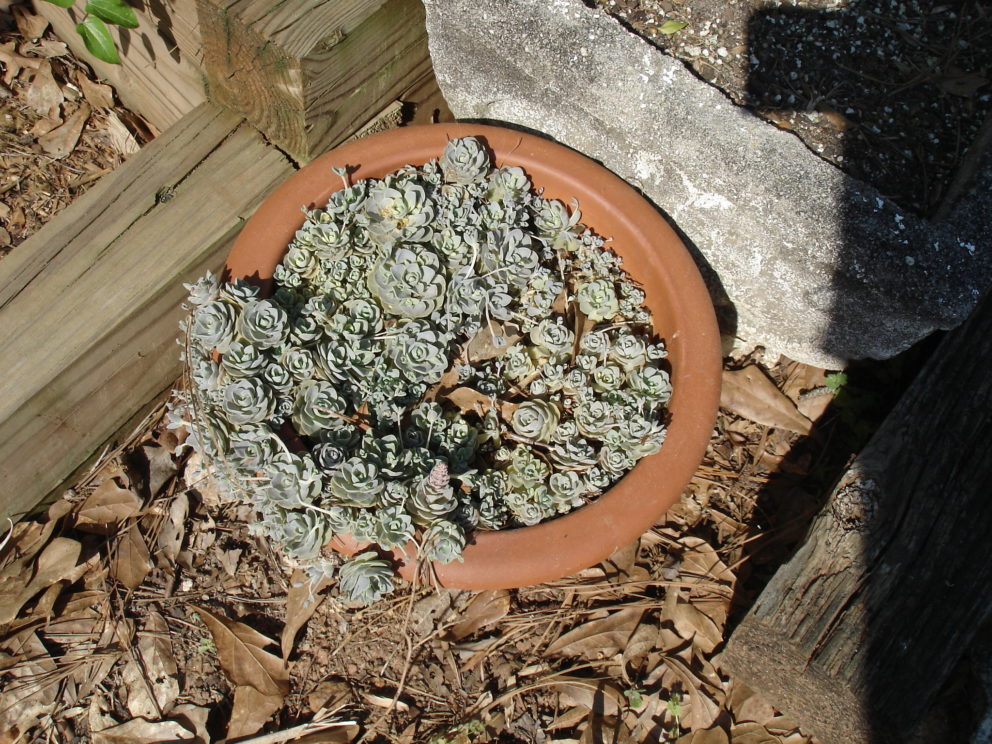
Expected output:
{"points": [[141, 608]]}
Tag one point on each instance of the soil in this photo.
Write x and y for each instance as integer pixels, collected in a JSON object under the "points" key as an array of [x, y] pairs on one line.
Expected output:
{"points": [[892, 91], [42, 172]]}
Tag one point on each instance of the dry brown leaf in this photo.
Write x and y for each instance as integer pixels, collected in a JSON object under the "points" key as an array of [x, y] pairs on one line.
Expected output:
{"points": [[702, 709], [43, 126], [120, 138], [302, 600], [602, 696], [707, 736], [107, 507], [13, 62], [598, 639], [749, 393], [644, 639], [251, 710], [55, 563], [98, 96], [241, 655], [485, 609], [23, 699], [483, 346], [59, 143], [754, 708], [194, 718], [605, 730], [44, 95], [467, 399], [161, 466], [568, 719], [170, 538], [701, 562], [47, 48], [153, 686], [752, 733], [696, 626], [131, 562], [141, 731], [30, 25]]}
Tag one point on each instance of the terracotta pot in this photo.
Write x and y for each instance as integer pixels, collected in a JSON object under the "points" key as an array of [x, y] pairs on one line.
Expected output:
{"points": [[653, 255]]}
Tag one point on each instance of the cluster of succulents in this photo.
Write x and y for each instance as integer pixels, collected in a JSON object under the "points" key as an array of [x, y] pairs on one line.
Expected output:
{"points": [[445, 350]]}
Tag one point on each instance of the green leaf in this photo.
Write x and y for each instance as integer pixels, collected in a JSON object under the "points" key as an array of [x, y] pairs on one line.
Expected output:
{"points": [[98, 41], [670, 27], [61, 3], [835, 381], [113, 11]]}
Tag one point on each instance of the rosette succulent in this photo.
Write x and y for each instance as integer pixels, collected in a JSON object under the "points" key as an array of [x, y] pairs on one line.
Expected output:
{"points": [[445, 350], [366, 578], [408, 283]]}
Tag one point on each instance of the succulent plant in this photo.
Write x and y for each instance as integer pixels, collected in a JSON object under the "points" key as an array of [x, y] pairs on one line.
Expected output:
{"points": [[247, 401], [433, 496], [453, 351], [356, 483], [536, 420], [444, 541], [316, 406], [464, 161], [366, 578], [598, 299], [213, 325], [304, 534], [263, 323], [408, 283]]}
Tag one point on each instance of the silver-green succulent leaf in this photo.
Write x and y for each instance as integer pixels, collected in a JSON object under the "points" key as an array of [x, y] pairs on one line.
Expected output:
{"points": [[464, 161], [213, 325], [263, 323], [444, 541], [536, 420], [247, 401], [365, 579], [356, 483], [598, 299], [408, 283]]}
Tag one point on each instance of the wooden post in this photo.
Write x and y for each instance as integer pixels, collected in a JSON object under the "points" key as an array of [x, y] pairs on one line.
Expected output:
{"points": [[160, 73], [856, 634], [309, 73], [90, 305]]}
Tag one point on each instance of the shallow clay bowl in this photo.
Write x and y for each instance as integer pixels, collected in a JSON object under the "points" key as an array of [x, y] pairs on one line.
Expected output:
{"points": [[653, 255]]}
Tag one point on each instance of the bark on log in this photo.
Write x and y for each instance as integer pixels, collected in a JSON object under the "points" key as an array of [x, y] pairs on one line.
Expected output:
{"points": [[855, 635]]}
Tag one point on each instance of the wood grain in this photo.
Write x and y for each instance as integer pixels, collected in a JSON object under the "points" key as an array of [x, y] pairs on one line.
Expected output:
{"points": [[856, 634], [89, 317], [309, 73], [160, 72]]}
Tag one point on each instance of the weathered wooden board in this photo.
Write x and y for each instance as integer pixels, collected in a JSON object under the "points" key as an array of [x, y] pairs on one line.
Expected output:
{"points": [[309, 73], [160, 73], [856, 634], [90, 305]]}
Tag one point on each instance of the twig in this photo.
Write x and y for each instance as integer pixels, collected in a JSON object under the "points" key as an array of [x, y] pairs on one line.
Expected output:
{"points": [[295, 732]]}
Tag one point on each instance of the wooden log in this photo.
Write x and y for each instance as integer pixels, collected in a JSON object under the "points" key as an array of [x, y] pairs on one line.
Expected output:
{"points": [[90, 305], [856, 634], [309, 73], [160, 72]]}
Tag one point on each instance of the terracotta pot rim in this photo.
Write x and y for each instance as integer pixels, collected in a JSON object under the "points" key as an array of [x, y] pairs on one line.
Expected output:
{"points": [[581, 538]]}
